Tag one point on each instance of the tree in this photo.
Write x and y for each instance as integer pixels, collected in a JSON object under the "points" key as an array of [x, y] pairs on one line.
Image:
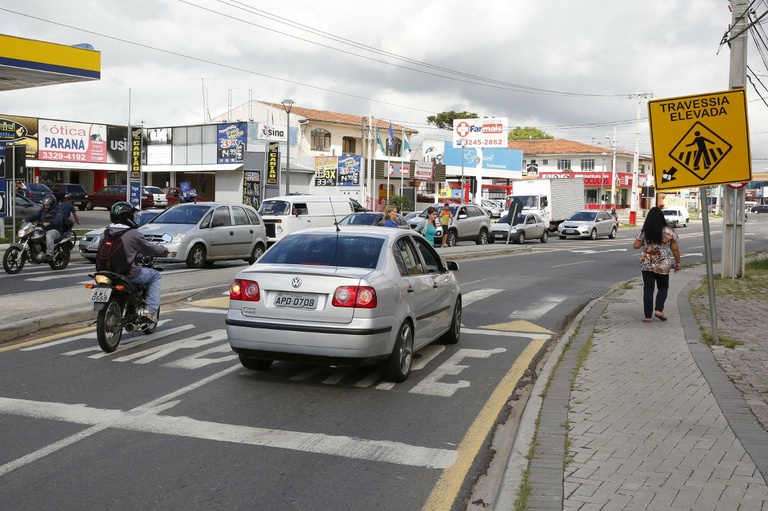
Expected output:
{"points": [[444, 120], [401, 202], [527, 133]]}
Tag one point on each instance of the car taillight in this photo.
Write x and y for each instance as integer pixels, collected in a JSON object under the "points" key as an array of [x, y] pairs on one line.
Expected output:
{"points": [[363, 297], [245, 290]]}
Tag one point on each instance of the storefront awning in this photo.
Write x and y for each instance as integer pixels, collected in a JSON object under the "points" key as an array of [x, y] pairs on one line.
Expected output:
{"points": [[45, 164], [223, 167]]}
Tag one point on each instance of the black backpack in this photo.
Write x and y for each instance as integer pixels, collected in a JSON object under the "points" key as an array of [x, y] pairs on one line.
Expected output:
{"points": [[111, 254]]}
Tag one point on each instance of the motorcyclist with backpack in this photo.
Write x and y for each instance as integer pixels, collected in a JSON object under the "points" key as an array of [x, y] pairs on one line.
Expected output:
{"points": [[124, 260], [51, 219]]}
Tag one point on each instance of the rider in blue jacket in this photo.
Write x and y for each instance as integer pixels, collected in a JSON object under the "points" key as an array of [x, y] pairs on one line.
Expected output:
{"points": [[50, 218]]}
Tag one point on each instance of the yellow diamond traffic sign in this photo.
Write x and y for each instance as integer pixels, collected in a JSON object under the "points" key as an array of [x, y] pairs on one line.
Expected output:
{"points": [[700, 140]]}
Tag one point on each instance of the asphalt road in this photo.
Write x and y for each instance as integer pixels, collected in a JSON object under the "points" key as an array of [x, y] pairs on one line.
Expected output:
{"points": [[172, 420]]}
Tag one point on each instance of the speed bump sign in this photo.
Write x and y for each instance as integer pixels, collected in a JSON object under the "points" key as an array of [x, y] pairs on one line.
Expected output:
{"points": [[700, 140]]}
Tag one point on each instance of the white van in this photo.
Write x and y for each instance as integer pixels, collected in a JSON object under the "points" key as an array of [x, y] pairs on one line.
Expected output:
{"points": [[289, 213]]}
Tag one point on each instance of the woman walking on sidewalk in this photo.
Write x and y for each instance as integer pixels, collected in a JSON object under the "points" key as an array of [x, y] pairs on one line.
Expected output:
{"points": [[660, 254]]}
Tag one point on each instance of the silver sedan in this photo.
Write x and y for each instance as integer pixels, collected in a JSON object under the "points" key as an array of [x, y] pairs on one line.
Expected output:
{"points": [[353, 296], [588, 224]]}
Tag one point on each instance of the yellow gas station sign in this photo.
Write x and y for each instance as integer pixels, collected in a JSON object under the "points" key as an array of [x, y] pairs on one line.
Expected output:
{"points": [[700, 140]]}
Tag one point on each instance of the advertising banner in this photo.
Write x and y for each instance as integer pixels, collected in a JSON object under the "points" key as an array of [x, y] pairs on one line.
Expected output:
{"points": [[117, 150], [231, 142], [485, 132], [349, 170], [72, 141], [425, 171], [273, 165], [326, 168], [16, 130]]}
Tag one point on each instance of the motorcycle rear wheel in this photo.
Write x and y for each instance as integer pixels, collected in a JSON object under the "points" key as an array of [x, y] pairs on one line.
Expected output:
{"points": [[60, 259], [109, 326], [13, 260]]}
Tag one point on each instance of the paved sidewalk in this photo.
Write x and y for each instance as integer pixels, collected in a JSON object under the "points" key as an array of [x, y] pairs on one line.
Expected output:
{"points": [[652, 421]]}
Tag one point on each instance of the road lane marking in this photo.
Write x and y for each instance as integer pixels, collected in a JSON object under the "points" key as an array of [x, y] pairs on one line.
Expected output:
{"points": [[448, 486], [480, 294], [27, 345], [538, 309], [147, 419]]}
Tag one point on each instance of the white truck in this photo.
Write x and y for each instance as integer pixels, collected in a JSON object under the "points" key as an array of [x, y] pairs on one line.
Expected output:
{"points": [[553, 199]]}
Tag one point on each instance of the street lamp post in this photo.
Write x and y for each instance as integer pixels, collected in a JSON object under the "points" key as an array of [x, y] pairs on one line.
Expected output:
{"points": [[287, 104], [613, 168], [463, 145]]}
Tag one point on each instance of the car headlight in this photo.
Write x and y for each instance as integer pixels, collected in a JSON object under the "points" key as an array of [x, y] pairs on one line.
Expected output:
{"points": [[513, 229], [178, 237]]}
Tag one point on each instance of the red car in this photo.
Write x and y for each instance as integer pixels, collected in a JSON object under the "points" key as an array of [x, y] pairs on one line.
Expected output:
{"points": [[175, 196], [107, 196]]}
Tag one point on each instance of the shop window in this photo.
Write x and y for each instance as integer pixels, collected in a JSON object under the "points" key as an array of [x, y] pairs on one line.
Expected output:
{"points": [[563, 165], [588, 164]]}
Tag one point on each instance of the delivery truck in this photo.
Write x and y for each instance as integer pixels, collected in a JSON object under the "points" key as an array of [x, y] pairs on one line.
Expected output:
{"points": [[553, 199]]}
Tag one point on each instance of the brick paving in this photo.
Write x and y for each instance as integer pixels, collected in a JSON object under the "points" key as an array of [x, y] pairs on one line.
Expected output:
{"points": [[652, 420]]}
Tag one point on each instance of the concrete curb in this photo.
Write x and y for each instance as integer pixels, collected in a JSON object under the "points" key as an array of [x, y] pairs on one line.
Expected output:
{"points": [[10, 331]]}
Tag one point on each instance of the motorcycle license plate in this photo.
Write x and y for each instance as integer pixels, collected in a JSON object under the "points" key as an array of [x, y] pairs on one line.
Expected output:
{"points": [[101, 295]]}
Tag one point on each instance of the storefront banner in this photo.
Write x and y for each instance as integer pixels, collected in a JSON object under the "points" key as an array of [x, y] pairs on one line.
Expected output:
{"points": [[158, 146], [18, 130], [72, 141], [591, 179], [326, 168], [493, 158], [231, 142], [273, 165], [349, 170], [425, 171], [117, 148]]}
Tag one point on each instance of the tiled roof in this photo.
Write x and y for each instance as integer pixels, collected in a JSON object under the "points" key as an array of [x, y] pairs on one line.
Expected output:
{"points": [[339, 118], [560, 146]]}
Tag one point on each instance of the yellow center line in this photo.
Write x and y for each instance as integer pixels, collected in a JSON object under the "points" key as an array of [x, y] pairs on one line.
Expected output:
{"points": [[447, 488]]}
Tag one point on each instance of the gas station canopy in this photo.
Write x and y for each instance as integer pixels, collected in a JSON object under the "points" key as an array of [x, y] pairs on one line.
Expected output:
{"points": [[26, 63]]}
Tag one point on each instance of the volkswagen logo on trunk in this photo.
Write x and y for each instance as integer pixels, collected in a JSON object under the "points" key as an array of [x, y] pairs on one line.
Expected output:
{"points": [[296, 282]]}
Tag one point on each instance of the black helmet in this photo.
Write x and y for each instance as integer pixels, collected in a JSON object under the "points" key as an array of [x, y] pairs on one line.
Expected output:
{"points": [[49, 201], [122, 213]]}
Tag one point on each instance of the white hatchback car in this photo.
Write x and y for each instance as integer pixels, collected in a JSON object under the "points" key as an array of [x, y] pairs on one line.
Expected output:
{"points": [[676, 216], [158, 195]]}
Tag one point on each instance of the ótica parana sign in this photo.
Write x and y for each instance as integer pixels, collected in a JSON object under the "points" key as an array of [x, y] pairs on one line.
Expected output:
{"points": [[700, 140]]}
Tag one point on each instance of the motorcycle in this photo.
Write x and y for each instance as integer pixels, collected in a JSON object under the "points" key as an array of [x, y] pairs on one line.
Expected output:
{"points": [[119, 303], [31, 247]]}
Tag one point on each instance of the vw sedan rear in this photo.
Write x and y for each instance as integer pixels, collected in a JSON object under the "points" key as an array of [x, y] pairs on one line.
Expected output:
{"points": [[359, 295]]}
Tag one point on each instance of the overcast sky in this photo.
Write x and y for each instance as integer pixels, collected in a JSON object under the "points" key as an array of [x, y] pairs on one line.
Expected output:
{"points": [[563, 66]]}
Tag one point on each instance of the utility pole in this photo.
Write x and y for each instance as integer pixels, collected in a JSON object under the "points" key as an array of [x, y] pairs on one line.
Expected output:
{"points": [[733, 210], [633, 206]]}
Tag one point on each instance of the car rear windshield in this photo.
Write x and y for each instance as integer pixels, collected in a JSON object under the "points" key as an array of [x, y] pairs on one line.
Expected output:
{"points": [[360, 219], [325, 250], [182, 215], [670, 212], [154, 189]]}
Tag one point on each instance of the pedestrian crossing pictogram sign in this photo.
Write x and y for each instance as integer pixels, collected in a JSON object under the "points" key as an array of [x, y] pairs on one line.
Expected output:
{"points": [[700, 140]]}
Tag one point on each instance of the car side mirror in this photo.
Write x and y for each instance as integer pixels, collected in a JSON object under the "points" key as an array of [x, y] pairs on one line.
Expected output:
{"points": [[452, 265]]}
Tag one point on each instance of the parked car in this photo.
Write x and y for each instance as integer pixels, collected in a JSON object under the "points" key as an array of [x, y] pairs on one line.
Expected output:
{"points": [[494, 209], [24, 207], [107, 196], [174, 196], [89, 242], [588, 224], [77, 192], [676, 216], [470, 223], [760, 208], [324, 296], [208, 232], [525, 226], [372, 218], [158, 196], [36, 192]]}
